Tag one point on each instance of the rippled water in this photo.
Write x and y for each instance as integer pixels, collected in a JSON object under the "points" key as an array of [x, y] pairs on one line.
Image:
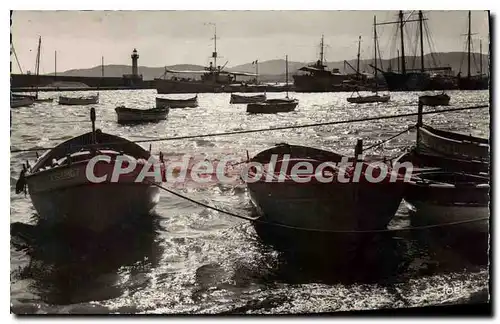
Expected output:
{"points": [[194, 260]]}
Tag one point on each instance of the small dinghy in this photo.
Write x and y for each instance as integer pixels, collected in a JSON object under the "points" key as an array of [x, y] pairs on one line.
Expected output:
{"points": [[307, 211], [79, 101], [272, 106], [441, 99], [131, 115], [63, 193], [369, 99], [33, 97], [436, 198], [16, 102], [177, 103], [237, 99]]}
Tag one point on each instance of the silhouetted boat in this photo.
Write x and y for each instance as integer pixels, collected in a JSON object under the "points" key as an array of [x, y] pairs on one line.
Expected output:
{"points": [[63, 194], [369, 99], [79, 101], [237, 99], [16, 102], [316, 77], [441, 99], [308, 208], [131, 115], [177, 103], [273, 106], [436, 198]]}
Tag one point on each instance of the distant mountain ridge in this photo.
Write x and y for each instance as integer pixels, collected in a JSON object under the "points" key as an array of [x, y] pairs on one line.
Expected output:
{"points": [[271, 70]]}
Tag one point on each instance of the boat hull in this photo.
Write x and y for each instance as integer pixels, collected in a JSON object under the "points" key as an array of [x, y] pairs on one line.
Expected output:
{"points": [[236, 99], [21, 102], [269, 107], [434, 101], [453, 144], [128, 115], [369, 99], [177, 103], [78, 101], [96, 207]]}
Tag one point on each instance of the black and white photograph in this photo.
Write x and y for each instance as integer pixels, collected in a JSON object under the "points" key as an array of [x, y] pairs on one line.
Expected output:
{"points": [[250, 162]]}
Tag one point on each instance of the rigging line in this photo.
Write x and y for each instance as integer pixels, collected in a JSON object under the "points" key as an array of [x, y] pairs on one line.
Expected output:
{"points": [[281, 128], [390, 138], [318, 230], [17, 60]]}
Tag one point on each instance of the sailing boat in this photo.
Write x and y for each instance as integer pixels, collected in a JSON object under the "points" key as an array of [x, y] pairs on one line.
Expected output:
{"points": [[477, 82], [376, 97], [37, 69], [273, 106]]}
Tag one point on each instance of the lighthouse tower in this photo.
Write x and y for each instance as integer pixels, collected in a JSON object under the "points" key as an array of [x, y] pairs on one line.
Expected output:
{"points": [[134, 57]]}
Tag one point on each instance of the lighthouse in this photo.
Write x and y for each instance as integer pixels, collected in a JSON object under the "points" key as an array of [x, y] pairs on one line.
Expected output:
{"points": [[134, 57]]}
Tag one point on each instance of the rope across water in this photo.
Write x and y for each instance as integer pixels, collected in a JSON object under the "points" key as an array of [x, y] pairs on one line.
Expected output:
{"points": [[356, 120]]}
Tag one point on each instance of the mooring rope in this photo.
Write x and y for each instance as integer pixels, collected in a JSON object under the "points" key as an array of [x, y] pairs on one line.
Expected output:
{"points": [[356, 120], [319, 230], [390, 138]]}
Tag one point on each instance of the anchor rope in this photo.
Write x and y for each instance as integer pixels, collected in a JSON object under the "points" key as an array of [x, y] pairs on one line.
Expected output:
{"points": [[356, 120], [319, 230]]}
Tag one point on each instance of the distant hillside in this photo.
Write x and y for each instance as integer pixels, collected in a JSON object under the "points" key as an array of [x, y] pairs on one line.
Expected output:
{"points": [[274, 70]]}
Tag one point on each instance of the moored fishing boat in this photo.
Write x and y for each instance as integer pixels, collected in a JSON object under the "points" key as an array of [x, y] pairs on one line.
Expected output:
{"points": [[311, 211], [16, 102], [369, 99], [63, 193], [438, 198], [272, 107], [453, 144], [131, 115], [79, 101], [177, 103], [237, 99], [441, 99]]}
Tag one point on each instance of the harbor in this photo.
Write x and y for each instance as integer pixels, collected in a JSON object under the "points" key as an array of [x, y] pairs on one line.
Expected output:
{"points": [[252, 237]]}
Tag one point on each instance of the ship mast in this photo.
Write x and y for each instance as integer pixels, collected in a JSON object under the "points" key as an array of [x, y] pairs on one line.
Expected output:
{"points": [[37, 65], [375, 48], [359, 51], [480, 58], [286, 73], [401, 25], [55, 65], [321, 53], [420, 20], [468, 49]]}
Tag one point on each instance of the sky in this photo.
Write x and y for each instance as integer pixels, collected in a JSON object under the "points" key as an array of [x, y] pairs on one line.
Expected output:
{"points": [[82, 38]]}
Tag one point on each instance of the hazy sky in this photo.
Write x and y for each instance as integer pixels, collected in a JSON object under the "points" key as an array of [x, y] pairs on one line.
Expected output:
{"points": [[174, 37]]}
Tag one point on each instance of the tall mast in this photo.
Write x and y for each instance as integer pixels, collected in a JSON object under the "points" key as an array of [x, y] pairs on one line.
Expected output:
{"points": [[468, 50], [480, 58], [37, 65], [102, 66], [286, 73], [421, 20], [401, 25], [357, 64], [321, 53], [214, 54], [375, 49], [55, 65], [399, 69]]}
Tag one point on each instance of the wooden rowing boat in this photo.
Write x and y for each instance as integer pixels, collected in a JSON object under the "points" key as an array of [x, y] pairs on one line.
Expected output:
{"points": [[272, 106], [237, 99], [453, 144], [437, 198], [131, 115], [21, 102], [307, 208], [441, 99], [79, 101], [63, 194], [369, 99], [177, 103]]}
